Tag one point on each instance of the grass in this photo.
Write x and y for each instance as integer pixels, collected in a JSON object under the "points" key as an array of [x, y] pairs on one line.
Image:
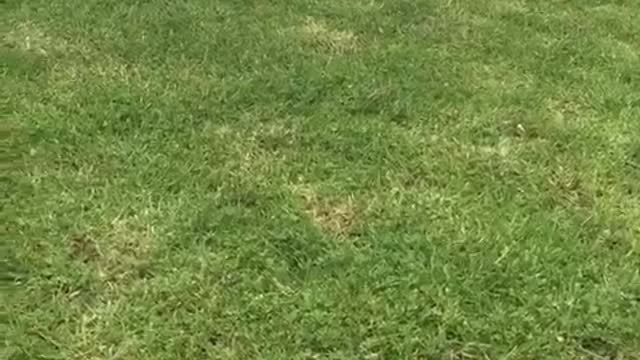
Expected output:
{"points": [[320, 180]]}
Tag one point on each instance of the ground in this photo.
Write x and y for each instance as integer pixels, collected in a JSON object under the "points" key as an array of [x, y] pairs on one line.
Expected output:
{"points": [[288, 179]]}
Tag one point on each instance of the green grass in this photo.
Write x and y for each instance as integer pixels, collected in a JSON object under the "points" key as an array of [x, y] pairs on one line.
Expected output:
{"points": [[389, 179]]}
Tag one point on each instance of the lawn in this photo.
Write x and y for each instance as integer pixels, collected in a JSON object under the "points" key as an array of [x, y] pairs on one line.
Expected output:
{"points": [[339, 179]]}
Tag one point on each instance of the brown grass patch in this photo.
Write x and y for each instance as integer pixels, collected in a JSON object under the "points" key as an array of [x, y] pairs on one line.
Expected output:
{"points": [[30, 38], [338, 217], [332, 40], [119, 251], [466, 352], [507, 7], [568, 188], [101, 68]]}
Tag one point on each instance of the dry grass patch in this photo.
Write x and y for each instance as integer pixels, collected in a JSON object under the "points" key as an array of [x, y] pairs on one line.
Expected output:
{"points": [[500, 79], [507, 7], [99, 68], [329, 39], [617, 49], [567, 187], [29, 37], [336, 216], [118, 251], [73, 61], [502, 149]]}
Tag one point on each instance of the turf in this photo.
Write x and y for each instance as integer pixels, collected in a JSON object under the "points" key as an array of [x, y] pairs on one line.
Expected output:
{"points": [[379, 179]]}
